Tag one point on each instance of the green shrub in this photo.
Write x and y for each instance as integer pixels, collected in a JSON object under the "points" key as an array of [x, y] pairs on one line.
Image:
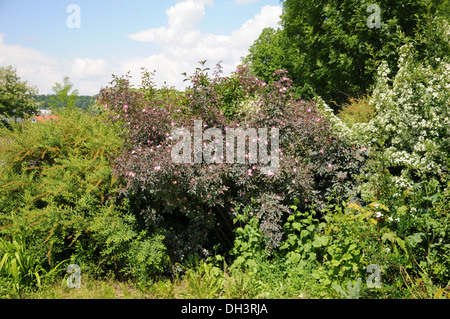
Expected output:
{"points": [[60, 194], [304, 237], [422, 219], [249, 243], [146, 257], [204, 280], [340, 244], [354, 236], [194, 203], [407, 238], [357, 111], [325, 241]]}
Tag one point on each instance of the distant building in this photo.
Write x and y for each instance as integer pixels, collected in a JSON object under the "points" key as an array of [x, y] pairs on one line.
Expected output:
{"points": [[46, 115], [46, 112]]}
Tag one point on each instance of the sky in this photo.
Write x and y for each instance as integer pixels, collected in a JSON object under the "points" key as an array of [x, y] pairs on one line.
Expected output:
{"points": [[89, 41]]}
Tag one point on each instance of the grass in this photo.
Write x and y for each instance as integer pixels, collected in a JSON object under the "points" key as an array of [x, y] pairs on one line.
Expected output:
{"points": [[209, 282], [202, 282], [90, 289], [206, 281]]}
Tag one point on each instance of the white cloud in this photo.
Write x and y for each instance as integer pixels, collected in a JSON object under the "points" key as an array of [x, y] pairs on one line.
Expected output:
{"points": [[31, 65], [43, 71], [88, 68], [251, 29], [184, 45], [183, 21], [90, 75]]}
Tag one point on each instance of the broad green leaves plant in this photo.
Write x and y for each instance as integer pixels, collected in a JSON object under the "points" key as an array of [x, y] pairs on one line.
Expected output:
{"points": [[249, 245], [305, 239]]}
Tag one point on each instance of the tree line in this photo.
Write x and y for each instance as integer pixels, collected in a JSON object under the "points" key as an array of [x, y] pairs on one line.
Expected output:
{"points": [[20, 99], [47, 101]]}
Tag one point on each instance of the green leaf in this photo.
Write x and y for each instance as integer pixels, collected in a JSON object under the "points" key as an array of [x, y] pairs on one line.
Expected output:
{"points": [[292, 239], [304, 233], [251, 263], [414, 239], [14, 270], [320, 241], [307, 247], [297, 226], [340, 290], [401, 243], [239, 260], [294, 257], [346, 256], [2, 262], [402, 210], [388, 236], [38, 278], [335, 263]]}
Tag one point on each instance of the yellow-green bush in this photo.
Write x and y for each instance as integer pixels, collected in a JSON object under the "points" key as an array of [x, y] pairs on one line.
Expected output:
{"points": [[59, 193], [357, 111]]}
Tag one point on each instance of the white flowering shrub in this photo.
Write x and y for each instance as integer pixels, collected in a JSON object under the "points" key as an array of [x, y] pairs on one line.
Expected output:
{"points": [[405, 185], [412, 122]]}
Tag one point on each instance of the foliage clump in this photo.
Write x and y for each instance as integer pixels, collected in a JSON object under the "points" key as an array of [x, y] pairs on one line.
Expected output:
{"points": [[59, 194], [194, 203], [333, 48], [16, 97]]}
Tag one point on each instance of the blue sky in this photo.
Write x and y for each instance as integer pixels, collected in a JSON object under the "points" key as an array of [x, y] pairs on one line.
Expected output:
{"points": [[117, 36]]}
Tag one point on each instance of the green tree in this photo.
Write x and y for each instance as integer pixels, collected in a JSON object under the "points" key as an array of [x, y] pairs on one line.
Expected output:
{"points": [[84, 101], [266, 55], [62, 96], [16, 96], [332, 47]]}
